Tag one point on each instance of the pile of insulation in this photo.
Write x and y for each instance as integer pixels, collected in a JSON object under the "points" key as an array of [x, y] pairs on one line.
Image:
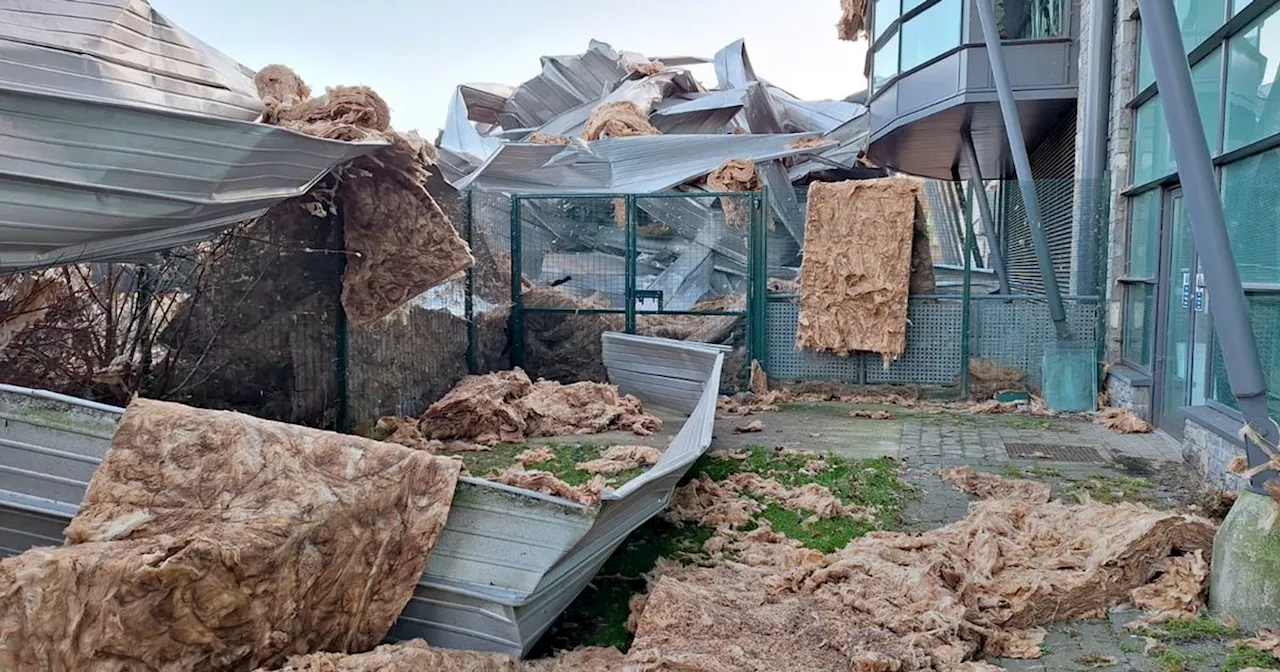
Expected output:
{"points": [[866, 249], [399, 242], [508, 407], [901, 602], [210, 540]]}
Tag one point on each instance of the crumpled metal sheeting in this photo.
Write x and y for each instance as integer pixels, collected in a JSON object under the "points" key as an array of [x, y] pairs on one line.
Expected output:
{"points": [[636, 165], [121, 52], [485, 101], [565, 82], [77, 184]]}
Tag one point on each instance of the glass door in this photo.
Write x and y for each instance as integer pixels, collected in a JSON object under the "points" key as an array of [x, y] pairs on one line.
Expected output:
{"points": [[1183, 345]]}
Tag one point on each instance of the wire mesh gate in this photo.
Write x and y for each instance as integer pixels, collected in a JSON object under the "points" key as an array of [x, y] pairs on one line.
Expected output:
{"points": [[688, 266]]}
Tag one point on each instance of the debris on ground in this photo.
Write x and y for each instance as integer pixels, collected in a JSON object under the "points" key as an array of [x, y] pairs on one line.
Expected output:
{"points": [[1267, 640], [411, 656], [548, 483], [749, 428], [399, 242], [852, 25], [1178, 593], [758, 381], [908, 601], [407, 432], [1123, 421], [856, 271], [987, 378], [870, 415], [622, 458], [989, 486], [535, 456], [507, 407], [202, 534]]}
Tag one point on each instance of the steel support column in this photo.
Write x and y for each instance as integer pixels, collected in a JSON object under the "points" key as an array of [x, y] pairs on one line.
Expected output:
{"points": [[984, 209], [1093, 152], [1208, 225], [1022, 164]]}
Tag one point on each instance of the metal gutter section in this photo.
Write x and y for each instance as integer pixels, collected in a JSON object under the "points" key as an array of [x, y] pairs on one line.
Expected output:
{"points": [[508, 561], [1022, 164], [1230, 310]]}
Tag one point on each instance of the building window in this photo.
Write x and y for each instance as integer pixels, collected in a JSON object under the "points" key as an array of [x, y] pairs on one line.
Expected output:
{"points": [[1253, 103], [885, 62], [1032, 19], [1251, 203], [1153, 155], [886, 12], [1198, 20], [1140, 279], [930, 33]]}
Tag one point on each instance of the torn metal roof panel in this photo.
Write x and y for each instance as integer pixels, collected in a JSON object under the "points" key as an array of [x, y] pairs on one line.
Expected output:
{"points": [[733, 66], [79, 184], [634, 165], [485, 101], [565, 82], [119, 52]]}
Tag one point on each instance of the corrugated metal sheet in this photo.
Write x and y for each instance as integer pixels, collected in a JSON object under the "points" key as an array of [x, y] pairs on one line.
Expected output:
{"points": [[1053, 165], [636, 165], [508, 561], [119, 52], [79, 182]]}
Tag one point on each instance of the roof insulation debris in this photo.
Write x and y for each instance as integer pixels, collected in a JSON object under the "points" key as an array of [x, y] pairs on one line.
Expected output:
{"points": [[609, 121]]}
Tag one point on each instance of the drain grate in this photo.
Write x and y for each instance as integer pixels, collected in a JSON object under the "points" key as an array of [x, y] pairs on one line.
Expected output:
{"points": [[1052, 452]]}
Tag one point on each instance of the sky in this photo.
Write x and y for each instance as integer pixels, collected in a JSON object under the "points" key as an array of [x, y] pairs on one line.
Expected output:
{"points": [[415, 52]]}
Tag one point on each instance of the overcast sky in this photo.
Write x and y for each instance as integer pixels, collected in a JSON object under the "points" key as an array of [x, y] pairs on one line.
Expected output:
{"points": [[414, 52]]}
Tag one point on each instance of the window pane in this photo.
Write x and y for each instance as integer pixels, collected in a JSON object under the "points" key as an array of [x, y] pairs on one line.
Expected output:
{"points": [[1251, 202], [1198, 19], [886, 62], [1139, 320], [886, 12], [908, 5], [930, 33], [1153, 155], [1032, 19], [1264, 311], [1144, 234], [1253, 104]]}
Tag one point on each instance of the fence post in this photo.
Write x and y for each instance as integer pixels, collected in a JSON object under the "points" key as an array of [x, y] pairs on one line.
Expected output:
{"points": [[757, 279], [468, 299], [629, 288], [515, 324]]}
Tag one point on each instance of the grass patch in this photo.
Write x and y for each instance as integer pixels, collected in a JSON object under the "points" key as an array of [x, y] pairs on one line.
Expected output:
{"points": [[567, 455], [1247, 656], [1172, 661], [1113, 489], [826, 535], [1014, 471], [1190, 631]]}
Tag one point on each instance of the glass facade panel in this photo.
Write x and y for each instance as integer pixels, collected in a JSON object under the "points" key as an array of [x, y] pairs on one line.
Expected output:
{"points": [[908, 5], [885, 64], [1198, 19], [1144, 235], [886, 12], [1139, 323], [930, 33], [1264, 312], [1253, 103], [1251, 202], [1153, 155], [1032, 19]]}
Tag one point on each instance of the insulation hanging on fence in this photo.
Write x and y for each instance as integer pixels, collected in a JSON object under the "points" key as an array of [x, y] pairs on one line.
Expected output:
{"points": [[856, 273]]}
